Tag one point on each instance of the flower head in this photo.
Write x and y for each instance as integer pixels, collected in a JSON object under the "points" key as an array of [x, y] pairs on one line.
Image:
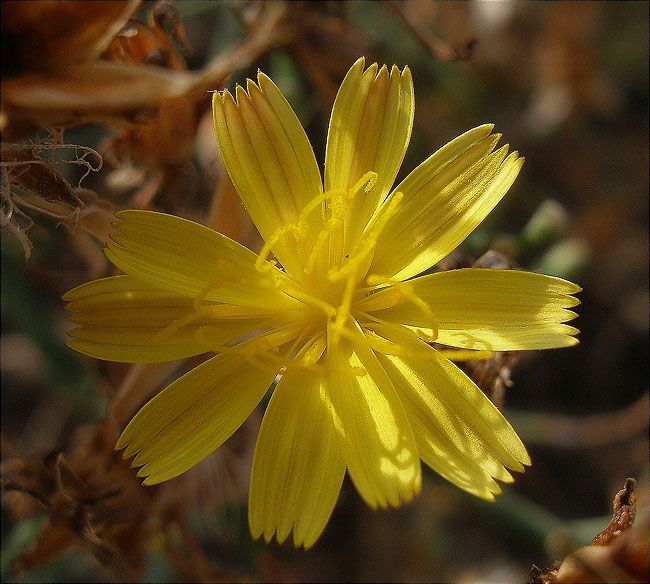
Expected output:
{"points": [[332, 311]]}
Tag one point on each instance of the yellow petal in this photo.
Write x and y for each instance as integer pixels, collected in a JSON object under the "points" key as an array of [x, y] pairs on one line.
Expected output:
{"points": [[448, 401], [188, 259], [448, 443], [271, 163], [475, 308], [123, 319], [370, 129], [193, 416], [444, 200], [298, 467], [438, 453], [380, 450]]}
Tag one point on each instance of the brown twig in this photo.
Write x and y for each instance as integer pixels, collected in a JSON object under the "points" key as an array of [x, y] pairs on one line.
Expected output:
{"points": [[562, 431], [441, 50]]}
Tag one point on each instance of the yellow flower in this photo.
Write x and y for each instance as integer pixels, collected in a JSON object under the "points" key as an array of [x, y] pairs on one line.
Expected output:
{"points": [[343, 327]]}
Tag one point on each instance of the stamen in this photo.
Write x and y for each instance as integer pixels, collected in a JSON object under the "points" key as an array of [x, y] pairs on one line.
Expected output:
{"points": [[332, 233], [228, 271], [381, 343], [395, 339], [388, 298], [336, 228], [339, 211], [317, 251], [427, 337], [262, 349], [313, 350], [311, 206], [355, 261], [199, 302], [292, 352], [361, 256], [464, 354], [262, 264], [336, 330], [204, 309], [203, 333], [307, 357], [367, 182], [399, 292], [171, 329], [274, 339], [384, 213], [298, 293]]}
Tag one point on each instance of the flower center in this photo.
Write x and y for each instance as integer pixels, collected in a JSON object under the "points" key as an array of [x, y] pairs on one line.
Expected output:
{"points": [[335, 259], [334, 262]]}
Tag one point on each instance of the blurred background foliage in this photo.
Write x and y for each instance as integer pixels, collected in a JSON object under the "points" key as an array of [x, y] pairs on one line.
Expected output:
{"points": [[116, 94]]}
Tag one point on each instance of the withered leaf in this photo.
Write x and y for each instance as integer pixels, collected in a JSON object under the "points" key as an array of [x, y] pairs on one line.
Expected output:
{"points": [[52, 34], [617, 554], [27, 169], [623, 513]]}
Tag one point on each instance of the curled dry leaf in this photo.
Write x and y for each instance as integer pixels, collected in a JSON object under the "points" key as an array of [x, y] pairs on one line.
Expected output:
{"points": [[32, 181], [94, 500], [128, 76], [53, 59], [113, 94], [623, 513], [117, 94], [175, 120], [28, 168], [47, 35], [619, 553], [87, 505], [150, 43]]}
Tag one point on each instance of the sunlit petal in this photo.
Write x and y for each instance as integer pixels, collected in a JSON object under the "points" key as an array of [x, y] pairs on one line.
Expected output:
{"points": [[185, 258], [298, 466], [474, 308], [193, 416], [123, 319], [445, 199], [369, 130], [380, 449], [442, 397], [447, 443], [271, 163]]}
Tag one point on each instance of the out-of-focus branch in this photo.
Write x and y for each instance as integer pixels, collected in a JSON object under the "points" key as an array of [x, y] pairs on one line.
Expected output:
{"points": [[268, 29], [563, 431], [439, 49], [120, 94]]}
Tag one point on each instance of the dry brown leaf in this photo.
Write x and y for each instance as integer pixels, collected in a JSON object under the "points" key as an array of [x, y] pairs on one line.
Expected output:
{"points": [[623, 513], [29, 168], [47, 35], [113, 94], [88, 506], [618, 554]]}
